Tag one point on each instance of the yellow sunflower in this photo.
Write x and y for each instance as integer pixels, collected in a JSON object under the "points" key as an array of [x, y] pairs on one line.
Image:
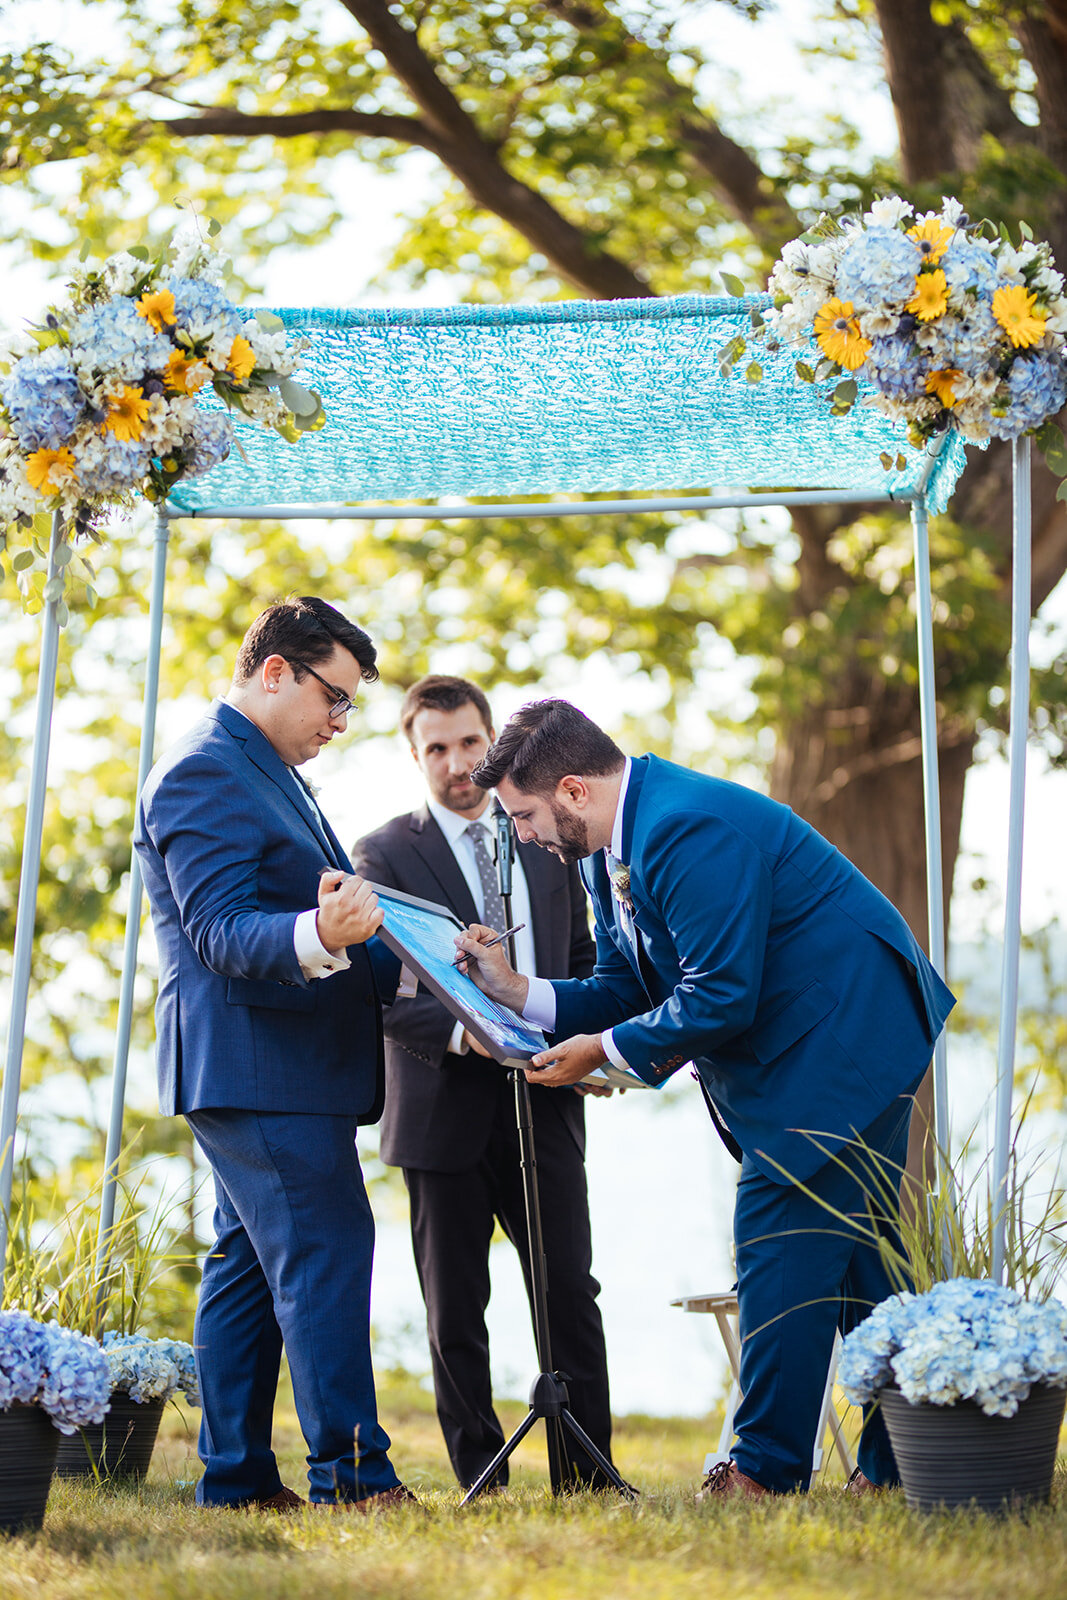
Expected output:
{"points": [[127, 413], [240, 360], [185, 374], [933, 239], [942, 384], [1013, 308], [838, 336], [930, 299], [157, 309], [48, 470]]}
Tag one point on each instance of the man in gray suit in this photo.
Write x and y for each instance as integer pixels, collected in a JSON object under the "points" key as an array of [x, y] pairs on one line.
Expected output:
{"points": [[449, 1117]]}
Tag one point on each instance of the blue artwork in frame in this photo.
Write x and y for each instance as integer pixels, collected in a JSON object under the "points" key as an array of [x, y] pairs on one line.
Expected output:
{"points": [[423, 935]]}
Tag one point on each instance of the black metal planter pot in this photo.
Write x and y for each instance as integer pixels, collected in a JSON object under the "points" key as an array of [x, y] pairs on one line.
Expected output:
{"points": [[28, 1444], [956, 1455], [119, 1447]]}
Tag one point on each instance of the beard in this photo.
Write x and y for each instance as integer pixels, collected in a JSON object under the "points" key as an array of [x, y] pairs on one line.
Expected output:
{"points": [[573, 841]]}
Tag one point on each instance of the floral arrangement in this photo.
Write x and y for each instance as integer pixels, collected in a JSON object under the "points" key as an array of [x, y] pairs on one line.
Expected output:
{"points": [[65, 1373], [101, 401], [964, 1339], [951, 327], [151, 1369]]}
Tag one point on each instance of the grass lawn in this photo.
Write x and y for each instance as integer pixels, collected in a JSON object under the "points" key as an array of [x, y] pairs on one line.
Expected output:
{"points": [[151, 1543]]}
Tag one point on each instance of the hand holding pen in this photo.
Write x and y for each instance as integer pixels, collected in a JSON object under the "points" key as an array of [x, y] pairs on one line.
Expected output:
{"points": [[489, 943]]}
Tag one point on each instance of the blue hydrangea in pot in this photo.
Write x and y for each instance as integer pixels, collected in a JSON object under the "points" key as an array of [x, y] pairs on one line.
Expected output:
{"points": [[144, 1374], [972, 1379], [52, 1382]]}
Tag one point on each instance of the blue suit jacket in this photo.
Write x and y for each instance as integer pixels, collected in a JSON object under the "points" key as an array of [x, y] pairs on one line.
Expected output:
{"points": [[767, 959], [230, 854]]}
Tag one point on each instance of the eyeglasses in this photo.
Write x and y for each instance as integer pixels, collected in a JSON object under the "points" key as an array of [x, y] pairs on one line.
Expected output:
{"points": [[342, 705]]}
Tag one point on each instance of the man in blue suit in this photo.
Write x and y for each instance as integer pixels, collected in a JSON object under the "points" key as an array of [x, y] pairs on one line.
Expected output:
{"points": [[270, 1044], [730, 934]]}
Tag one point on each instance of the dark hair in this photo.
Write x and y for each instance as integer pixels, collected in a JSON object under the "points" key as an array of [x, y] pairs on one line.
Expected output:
{"points": [[302, 628], [544, 742], [441, 693]]}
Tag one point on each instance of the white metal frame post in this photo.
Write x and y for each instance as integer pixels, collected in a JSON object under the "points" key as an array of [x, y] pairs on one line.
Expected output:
{"points": [[29, 881], [935, 896], [136, 900], [1019, 725]]}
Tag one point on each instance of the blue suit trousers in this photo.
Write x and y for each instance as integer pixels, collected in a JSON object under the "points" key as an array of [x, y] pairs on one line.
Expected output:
{"points": [[291, 1264], [802, 1274]]}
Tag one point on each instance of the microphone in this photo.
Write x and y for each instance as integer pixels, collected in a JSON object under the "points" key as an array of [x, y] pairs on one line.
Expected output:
{"points": [[505, 847]]}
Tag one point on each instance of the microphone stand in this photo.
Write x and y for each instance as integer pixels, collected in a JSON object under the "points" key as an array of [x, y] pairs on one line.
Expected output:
{"points": [[548, 1392]]}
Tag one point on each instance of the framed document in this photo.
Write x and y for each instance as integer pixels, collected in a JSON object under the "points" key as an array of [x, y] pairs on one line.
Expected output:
{"points": [[423, 935]]}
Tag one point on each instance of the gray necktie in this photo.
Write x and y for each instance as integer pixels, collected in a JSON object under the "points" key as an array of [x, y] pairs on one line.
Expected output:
{"points": [[493, 905]]}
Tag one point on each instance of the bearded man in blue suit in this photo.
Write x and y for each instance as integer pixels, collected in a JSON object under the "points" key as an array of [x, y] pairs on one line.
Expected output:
{"points": [[731, 935], [270, 1045]]}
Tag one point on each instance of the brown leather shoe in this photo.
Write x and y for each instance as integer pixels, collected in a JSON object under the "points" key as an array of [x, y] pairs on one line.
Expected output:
{"points": [[859, 1483], [727, 1481], [286, 1503], [387, 1500]]}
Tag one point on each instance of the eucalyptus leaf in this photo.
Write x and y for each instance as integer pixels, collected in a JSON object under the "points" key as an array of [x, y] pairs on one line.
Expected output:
{"points": [[53, 589], [805, 373], [268, 321], [214, 227], [22, 560], [301, 402], [1025, 230], [754, 372], [1061, 492], [62, 613], [846, 391], [138, 252], [733, 285], [63, 555]]}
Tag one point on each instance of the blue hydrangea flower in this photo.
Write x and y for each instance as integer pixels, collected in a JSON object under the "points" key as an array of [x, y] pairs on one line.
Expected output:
{"points": [[76, 1389], [115, 339], [22, 1358], [113, 465], [894, 366], [44, 399], [1037, 384], [209, 443], [879, 265], [202, 310], [151, 1369], [968, 265], [966, 1339]]}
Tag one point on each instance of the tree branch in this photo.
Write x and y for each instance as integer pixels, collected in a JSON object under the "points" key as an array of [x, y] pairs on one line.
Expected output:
{"points": [[736, 177], [226, 123], [576, 254]]}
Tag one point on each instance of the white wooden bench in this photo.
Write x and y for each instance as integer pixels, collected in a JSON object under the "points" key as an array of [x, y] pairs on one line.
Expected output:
{"points": [[723, 1307]]}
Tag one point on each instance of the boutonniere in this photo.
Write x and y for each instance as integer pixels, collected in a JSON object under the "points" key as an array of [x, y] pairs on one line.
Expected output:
{"points": [[620, 885]]}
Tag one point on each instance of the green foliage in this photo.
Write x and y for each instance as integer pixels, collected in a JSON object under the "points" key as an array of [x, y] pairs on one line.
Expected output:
{"points": [[58, 1266]]}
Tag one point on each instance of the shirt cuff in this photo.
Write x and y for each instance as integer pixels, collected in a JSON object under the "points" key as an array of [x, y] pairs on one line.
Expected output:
{"points": [[314, 958], [540, 1008], [408, 985], [610, 1049], [457, 1044]]}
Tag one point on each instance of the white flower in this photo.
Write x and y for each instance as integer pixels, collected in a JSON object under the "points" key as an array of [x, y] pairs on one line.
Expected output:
{"points": [[878, 323], [887, 212], [120, 272], [952, 212]]}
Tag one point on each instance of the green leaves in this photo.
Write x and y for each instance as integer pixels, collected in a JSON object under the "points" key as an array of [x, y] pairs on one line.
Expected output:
{"points": [[1051, 443], [730, 354], [733, 285]]}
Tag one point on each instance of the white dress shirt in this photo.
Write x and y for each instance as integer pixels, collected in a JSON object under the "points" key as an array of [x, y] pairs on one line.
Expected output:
{"points": [[453, 824], [540, 1006]]}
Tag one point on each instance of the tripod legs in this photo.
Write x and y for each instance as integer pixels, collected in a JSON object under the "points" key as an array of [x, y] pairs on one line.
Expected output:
{"points": [[548, 1399]]}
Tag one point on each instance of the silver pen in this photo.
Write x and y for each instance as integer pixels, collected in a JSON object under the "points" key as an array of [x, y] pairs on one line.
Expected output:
{"points": [[489, 943]]}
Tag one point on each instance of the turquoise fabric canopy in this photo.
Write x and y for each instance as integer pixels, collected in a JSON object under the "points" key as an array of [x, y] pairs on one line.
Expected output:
{"points": [[574, 397]]}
